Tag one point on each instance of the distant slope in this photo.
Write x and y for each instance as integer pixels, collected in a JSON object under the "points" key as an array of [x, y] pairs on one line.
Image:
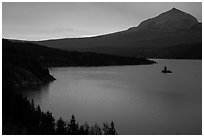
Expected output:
{"points": [[20, 53], [170, 31]]}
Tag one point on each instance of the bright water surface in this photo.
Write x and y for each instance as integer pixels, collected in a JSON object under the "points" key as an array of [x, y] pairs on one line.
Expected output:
{"points": [[139, 99]]}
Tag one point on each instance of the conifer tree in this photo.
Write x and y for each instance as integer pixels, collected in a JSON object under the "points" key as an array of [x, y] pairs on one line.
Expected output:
{"points": [[61, 127], [73, 126]]}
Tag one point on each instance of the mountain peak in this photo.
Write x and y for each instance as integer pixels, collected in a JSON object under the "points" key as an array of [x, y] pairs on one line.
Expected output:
{"points": [[171, 20], [175, 10]]}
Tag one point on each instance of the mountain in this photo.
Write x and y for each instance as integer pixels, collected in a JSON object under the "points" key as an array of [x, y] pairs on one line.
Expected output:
{"points": [[172, 34], [173, 20]]}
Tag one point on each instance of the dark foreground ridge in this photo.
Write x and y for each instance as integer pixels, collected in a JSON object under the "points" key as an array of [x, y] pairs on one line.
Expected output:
{"points": [[25, 65]]}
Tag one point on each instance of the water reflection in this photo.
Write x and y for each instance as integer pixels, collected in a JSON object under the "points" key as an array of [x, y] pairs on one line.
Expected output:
{"points": [[38, 93]]}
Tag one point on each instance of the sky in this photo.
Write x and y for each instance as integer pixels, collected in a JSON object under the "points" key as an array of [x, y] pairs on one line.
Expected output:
{"points": [[40, 21]]}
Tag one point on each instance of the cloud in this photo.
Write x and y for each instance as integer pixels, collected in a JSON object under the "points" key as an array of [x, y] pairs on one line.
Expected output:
{"points": [[44, 33]]}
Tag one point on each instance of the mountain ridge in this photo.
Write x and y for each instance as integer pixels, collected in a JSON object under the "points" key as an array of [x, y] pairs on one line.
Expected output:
{"points": [[171, 28]]}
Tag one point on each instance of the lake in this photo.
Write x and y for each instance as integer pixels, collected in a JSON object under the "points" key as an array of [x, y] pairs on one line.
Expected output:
{"points": [[138, 99]]}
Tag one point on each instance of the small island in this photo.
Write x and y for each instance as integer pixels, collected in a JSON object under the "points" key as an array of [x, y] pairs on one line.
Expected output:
{"points": [[166, 71]]}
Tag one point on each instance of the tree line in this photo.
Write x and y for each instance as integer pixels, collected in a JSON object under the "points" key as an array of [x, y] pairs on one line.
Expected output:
{"points": [[24, 117]]}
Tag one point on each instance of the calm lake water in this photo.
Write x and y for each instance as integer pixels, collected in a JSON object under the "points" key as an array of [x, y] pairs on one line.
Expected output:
{"points": [[138, 99]]}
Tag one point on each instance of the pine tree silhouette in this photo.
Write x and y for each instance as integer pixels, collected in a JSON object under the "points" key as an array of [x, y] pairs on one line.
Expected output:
{"points": [[61, 127], [73, 126], [112, 129]]}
